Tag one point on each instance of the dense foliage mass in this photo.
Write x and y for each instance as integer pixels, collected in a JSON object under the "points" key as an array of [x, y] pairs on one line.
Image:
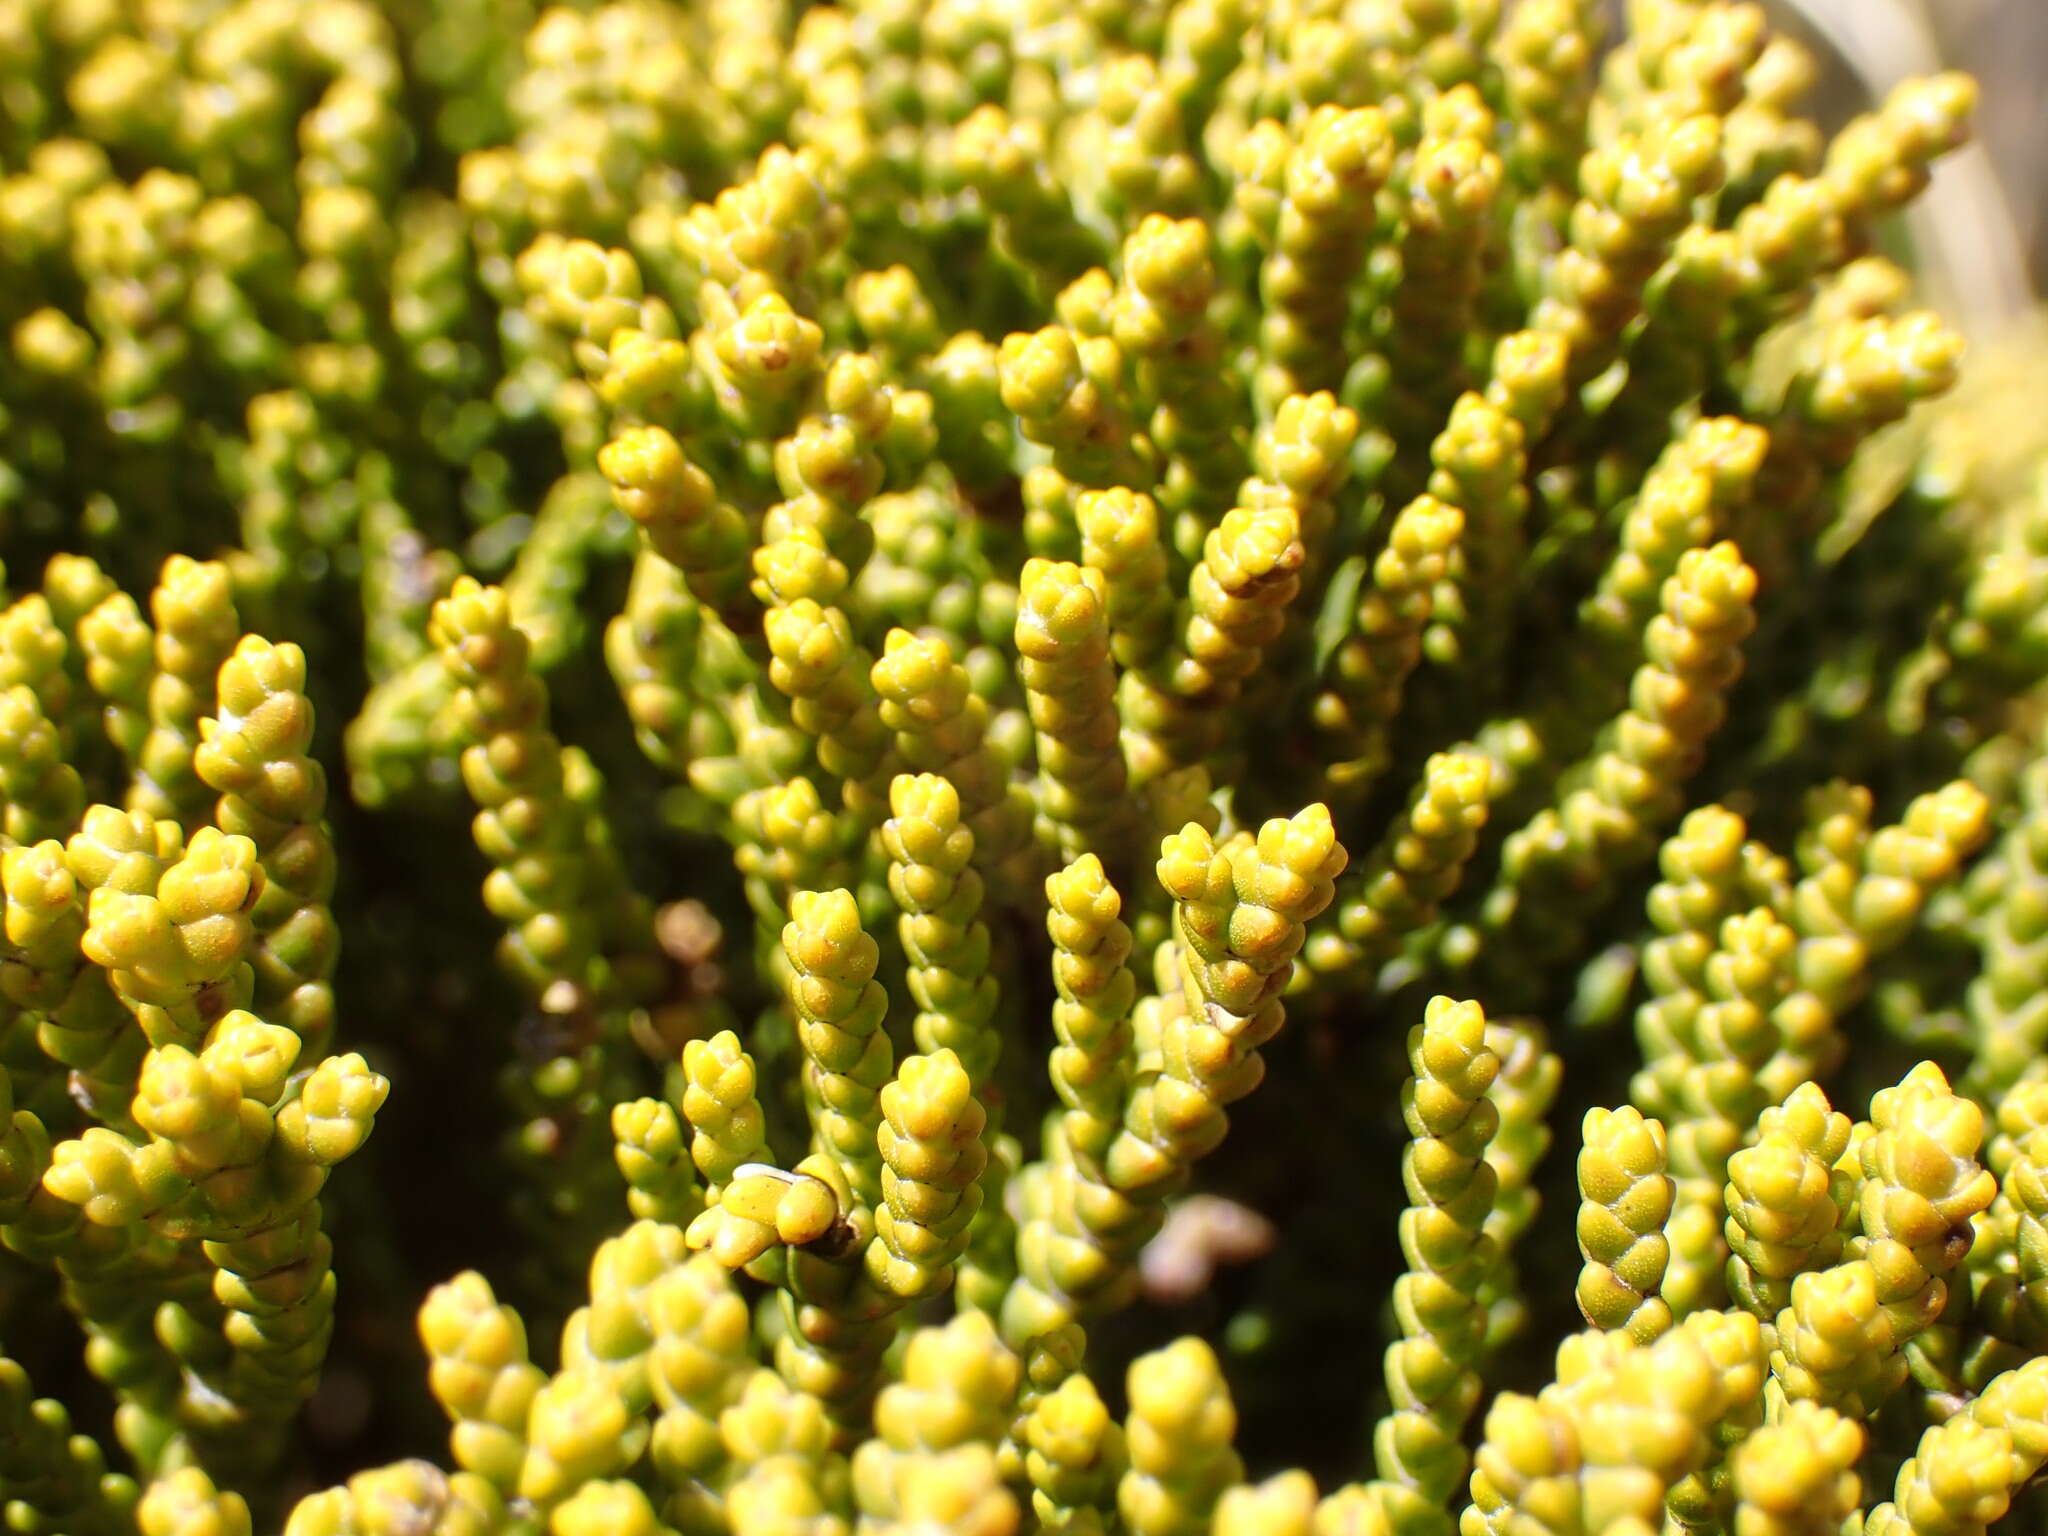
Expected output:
{"points": [[1100, 661]]}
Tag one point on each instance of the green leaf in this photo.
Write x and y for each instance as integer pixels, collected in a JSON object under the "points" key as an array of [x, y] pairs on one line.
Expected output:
{"points": [[1340, 608]]}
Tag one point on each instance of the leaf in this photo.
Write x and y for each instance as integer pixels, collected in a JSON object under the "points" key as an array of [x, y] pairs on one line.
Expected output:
{"points": [[1340, 608]]}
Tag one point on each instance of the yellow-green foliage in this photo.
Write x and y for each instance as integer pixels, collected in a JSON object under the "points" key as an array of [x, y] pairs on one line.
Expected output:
{"points": [[1084, 661]]}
